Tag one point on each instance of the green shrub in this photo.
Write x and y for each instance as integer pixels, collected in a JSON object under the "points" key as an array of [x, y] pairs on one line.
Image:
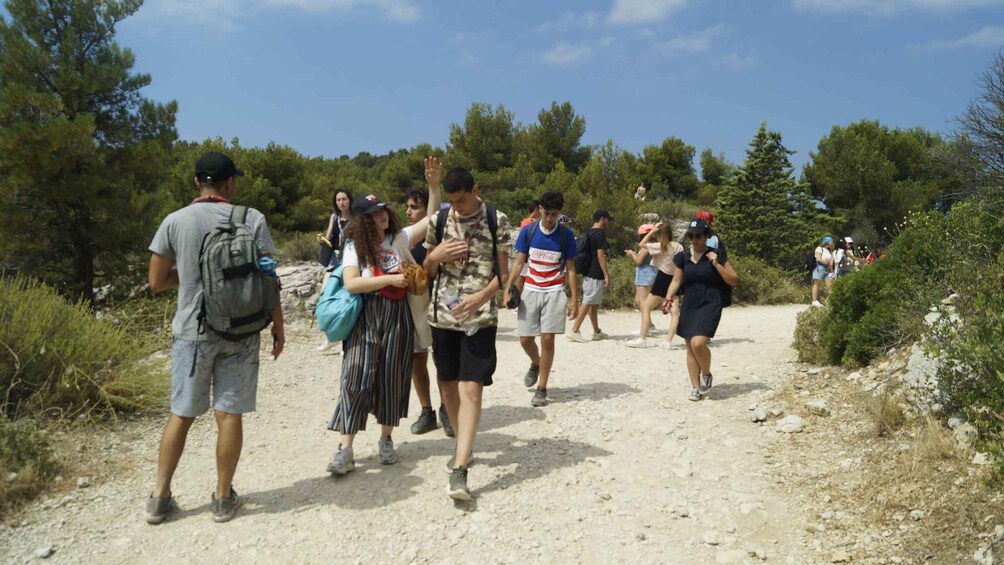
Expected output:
{"points": [[56, 358], [621, 291], [144, 317], [297, 246], [762, 284], [807, 342], [25, 453]]}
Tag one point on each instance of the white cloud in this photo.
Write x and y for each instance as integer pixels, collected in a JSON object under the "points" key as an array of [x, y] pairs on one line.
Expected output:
{"points": [[568, 54], [889, 7], [989, 36], [643, 11], [570, 20], [739, 61], [214, 11], [692, 43]]}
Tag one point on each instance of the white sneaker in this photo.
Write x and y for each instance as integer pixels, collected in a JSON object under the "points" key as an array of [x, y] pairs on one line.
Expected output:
{"points": [[640, 343], [816, 303], [666, 345], [576, 337], [597, 336], [330, 346]]}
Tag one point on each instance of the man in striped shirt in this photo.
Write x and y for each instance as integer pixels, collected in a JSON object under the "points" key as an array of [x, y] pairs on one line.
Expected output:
{"points": [[548, 249]]}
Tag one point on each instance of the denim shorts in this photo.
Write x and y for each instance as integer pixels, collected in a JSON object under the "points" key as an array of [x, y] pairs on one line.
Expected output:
{"points": [[644, 275], [820, 273], [229, 368]]}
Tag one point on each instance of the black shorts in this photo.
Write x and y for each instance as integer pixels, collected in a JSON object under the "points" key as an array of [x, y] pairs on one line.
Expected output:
{"points": [[460, 357], [661, 285]]}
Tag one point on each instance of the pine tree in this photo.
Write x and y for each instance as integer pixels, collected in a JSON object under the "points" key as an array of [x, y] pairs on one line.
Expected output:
{"points": [[763, 211], [81, 151]]}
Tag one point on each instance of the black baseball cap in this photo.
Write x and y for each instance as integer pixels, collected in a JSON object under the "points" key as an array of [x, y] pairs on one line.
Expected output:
{"points": [[366, 205], [697, 227], [600, 214], [216, 167]]}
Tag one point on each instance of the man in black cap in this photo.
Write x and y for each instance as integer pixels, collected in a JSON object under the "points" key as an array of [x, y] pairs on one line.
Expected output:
{"points": [[200, 360], [596, 277]]}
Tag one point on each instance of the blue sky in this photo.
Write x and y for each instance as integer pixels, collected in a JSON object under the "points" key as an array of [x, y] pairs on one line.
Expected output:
{"points": [[333, 77]]}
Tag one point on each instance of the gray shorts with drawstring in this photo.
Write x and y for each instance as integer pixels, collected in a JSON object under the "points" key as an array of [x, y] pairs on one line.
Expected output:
{"points": [[229, 368]]}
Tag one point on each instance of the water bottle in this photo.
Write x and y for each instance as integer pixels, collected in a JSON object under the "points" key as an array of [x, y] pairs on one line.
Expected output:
{"points": [[267, 266], [452, 299]]}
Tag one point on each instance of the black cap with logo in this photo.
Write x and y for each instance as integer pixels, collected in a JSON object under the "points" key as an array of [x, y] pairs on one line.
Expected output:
{"points": [[216, 167], [366, 205]]}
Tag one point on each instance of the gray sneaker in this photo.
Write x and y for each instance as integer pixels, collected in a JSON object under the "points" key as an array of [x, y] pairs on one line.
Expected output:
{"points": [[695, 395], [343, 461], [224, 508], [385, 449], [444, 417], [706, 382], [425, 423], [158, 508], [531, 376], [539, 397], [457, 487], [597, 336]]}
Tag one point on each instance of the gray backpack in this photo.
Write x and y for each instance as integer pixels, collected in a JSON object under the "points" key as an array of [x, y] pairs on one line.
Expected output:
{"points": [[233, 295]]}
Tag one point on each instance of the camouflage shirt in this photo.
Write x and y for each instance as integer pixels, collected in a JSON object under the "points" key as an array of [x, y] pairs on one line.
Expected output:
{"points": [[467, 276]]}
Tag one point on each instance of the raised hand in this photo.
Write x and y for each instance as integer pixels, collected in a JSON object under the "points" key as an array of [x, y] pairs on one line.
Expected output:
{"points": [[433, 172], [449, 251]]}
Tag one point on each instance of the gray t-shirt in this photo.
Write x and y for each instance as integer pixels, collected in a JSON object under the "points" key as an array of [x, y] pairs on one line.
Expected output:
{"points": [[180, 236]]}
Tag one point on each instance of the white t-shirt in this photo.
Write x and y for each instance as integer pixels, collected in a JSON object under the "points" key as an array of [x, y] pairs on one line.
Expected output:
{"points": [[388, 258], [824, 253], [838, 256], [664, 261]]}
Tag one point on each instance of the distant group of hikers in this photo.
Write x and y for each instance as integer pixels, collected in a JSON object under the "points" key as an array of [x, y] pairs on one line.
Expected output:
{"points": [[216, 254], [833, 259]]}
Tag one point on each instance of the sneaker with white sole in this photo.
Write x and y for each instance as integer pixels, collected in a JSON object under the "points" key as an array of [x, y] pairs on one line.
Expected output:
{"points": [[385, 451], [457, 487], [597, 336], [576, 337], [816, 303], [695, 395], [539, 398], [706, 380], [343, 461], [639, 343]]}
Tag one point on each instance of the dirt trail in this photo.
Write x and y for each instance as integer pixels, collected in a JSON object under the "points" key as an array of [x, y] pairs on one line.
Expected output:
{"points": [[619, 466]]}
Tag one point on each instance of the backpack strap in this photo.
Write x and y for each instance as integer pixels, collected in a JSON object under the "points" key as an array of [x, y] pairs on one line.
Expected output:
{"points": [[241, 212], [493, 227], [440, 230]]}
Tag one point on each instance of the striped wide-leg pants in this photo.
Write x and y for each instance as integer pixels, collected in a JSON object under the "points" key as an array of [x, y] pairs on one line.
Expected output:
{"points": [[376, 367]]}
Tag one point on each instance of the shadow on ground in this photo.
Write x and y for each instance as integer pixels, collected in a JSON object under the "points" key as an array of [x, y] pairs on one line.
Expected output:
{"points": [[726, 391], [593, 392]]}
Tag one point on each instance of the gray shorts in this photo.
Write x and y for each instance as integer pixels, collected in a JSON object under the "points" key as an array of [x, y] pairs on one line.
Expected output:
{"points": [[592, 291], [230, 368], [541, 313]]}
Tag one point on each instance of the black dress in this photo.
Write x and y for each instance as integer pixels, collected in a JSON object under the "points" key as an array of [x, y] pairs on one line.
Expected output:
{"points": [[701, 309]]}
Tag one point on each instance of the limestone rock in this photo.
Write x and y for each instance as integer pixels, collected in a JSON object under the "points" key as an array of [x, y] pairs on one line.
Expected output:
{"points": [[818, 407], [791, 424]]}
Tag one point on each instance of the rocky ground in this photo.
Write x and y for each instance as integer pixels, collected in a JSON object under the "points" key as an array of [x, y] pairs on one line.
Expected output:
{"points": [[619, 466]]}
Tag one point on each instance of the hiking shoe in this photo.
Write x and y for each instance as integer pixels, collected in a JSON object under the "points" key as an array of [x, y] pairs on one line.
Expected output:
{"points": [[444, 417], [425, 423], [539, 397], [706, 383], [639, 343], [597, 336], [385, 449], [157, 508], [531, 376], [695, 395], [470, 461], [576, 337], [343, 461], [224, 508], [457, 487]]}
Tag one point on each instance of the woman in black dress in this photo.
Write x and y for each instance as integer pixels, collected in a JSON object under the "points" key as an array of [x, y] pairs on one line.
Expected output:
{"points": [[703, 273]]}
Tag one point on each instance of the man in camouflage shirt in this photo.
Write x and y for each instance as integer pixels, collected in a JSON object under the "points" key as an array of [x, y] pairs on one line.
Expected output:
{"points": [[463, 313]]}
